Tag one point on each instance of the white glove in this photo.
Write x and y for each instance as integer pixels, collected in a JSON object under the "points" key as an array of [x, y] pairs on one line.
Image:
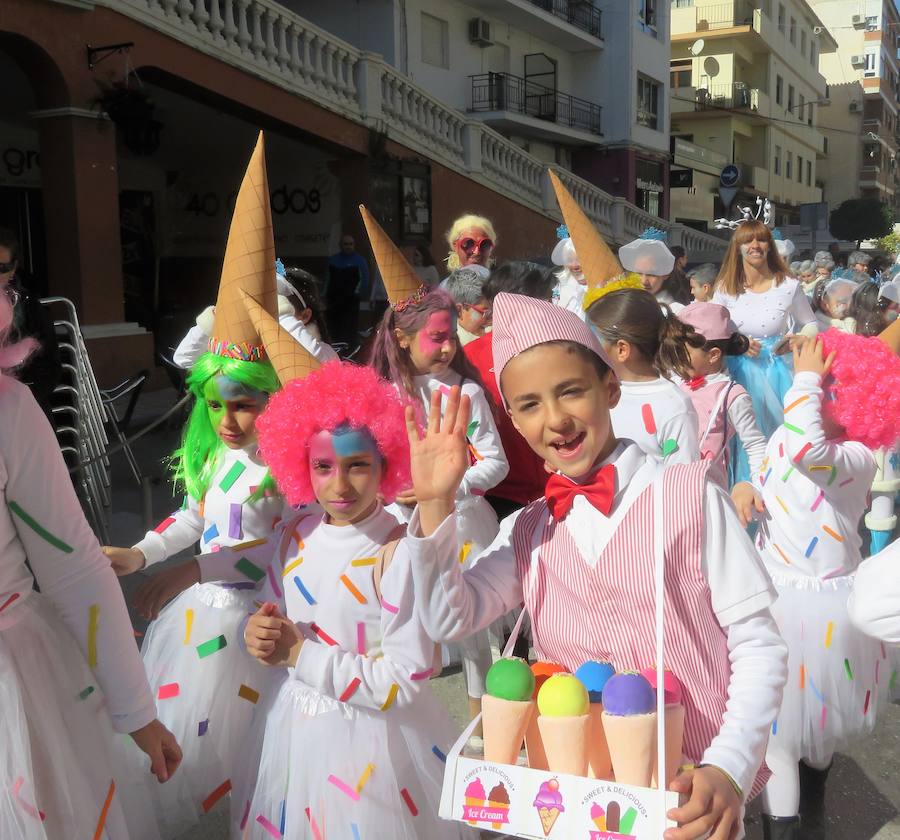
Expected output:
{"points": [[206, 319]]}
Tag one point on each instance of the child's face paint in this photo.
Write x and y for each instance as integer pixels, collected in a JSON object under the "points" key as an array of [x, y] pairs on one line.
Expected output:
{"points": [[233, 409], [560, 405], [433, 347], [345, 470]]}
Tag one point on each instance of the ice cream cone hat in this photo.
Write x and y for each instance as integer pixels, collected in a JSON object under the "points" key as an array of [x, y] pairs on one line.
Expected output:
{"points": [[401, 283], [598, 262], [891, 336], [290, 359], [249, 257]]}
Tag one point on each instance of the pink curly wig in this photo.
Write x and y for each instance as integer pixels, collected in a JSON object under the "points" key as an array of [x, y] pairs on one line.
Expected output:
{"points": [[862, 390], [337, 393]]}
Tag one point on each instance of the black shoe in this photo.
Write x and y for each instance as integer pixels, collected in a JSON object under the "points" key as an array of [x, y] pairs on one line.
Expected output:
{"points": [[780, 828], [812, 801]]}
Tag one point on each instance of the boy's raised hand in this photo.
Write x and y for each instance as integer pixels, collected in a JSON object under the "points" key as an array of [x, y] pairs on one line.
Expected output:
{"points": [[713, 807], [439, 460], [808, 358]]}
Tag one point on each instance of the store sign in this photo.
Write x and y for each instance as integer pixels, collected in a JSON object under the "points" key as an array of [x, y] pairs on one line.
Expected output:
{"points": [[20, 160]]}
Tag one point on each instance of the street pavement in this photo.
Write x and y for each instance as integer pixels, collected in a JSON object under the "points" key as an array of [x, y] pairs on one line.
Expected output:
{"points": [[864, 785]]}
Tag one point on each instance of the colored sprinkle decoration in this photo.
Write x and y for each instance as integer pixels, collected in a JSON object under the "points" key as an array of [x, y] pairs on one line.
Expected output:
{"points": [[409, 802], [440, 755], [812, 544], [353, 590], [669, 447], [248, 693], [350, 690], [647, 416], [783, 555], [831, 533], [847, 670], [845, 482], [795, 403], [893, 680], [202, 727], [774, 727], [795, 429], [231, 476], [268, 827], [802, 677], [86, 692], [364, 561], [211, 533], [866, 704], [464, 551], [818, 500], [344, 788], [101, 823], [169, 520], [246, 815], [235, 517], [824, 718], [355, 829], [291, 566], [803, 450], [787, 475], [167, 691], [273, 582], [392, 696], [422, 675], [361, 637], [237, 548], [9, 600], [833, 476], [765, 478], [42, 532], [188, 624], [215, 796], [389, 607], [815, 690], [317, 835], [249, 570], [93, 621], [322, 634], [26, 807], [304, 591], [370, 768], [211, 647], [783, 505], [283, 815], [829, 631]]}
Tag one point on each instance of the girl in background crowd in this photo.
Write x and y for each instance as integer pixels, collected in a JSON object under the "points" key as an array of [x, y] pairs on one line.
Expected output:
{"points": [[423, 264], [571, 283], [831, 300], [651, 260]]}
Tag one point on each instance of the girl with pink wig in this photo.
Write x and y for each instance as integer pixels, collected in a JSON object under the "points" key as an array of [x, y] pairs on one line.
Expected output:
{"points": [[352, 742], [417, 349], [844, 402]]}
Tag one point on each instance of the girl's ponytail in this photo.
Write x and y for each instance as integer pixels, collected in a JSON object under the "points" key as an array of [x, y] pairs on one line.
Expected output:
{"points": [[672, 355]]}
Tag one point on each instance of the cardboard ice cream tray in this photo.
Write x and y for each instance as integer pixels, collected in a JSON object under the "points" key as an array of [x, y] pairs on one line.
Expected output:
{"points": [[522, 802]]}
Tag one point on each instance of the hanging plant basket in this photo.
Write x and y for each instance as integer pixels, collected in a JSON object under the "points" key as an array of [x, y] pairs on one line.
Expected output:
{"points": [[132, 110]]}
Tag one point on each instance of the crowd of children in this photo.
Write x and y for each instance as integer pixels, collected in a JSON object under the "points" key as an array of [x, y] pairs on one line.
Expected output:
{"points": [[361, 525]]}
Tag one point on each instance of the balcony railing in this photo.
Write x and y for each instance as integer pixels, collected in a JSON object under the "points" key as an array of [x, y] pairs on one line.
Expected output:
{"points": [[582, 14], [505, 92], [725, 15], [734, 95]]}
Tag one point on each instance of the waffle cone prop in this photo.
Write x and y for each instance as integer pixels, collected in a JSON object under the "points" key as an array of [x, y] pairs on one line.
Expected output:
{"points": [[629, 721], [891, 337], [564, 723], [400, 281], [504, 722], [248, 265], [290, 359], [598, 262]]}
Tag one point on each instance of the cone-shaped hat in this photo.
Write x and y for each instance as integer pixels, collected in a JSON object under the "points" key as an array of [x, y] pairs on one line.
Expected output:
{"points": [[400, 281], [288, 356], [891, 336], [249, 265], [598, 262]]}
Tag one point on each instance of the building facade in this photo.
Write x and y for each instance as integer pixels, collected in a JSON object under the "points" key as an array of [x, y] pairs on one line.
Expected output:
{"points": [[862, 125], [746, 86]]}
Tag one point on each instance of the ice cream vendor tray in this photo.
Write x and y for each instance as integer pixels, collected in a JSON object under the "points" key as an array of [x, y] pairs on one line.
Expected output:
{"points": [[522, 802]]}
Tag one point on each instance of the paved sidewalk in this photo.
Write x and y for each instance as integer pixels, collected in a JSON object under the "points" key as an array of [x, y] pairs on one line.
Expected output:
{"points": [[864, 785]]}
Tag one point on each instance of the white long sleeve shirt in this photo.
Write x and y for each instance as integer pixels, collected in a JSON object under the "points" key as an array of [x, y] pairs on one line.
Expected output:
{"points": [[781, 309], [874, 604], [455, 604], [660, 418], [41, 521]]}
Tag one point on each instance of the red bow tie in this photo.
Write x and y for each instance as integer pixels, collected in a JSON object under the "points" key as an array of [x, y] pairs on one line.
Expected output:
{"points": [[696, 383], [560, 492]]}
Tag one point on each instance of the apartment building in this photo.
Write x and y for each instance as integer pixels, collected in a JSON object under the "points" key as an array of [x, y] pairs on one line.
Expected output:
{"points": [[863, 78], [746, 89]]}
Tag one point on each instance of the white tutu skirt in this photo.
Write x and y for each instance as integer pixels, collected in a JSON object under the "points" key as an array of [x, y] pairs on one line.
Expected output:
{"points": [[836, 674], [58, 751], [329, 769], [208, 689]]}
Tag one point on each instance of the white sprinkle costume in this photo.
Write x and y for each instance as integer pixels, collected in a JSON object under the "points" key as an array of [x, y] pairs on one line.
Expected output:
{"points": [[814, 490], [202, 679], [354, 743], [70, 676], [659, 417]]}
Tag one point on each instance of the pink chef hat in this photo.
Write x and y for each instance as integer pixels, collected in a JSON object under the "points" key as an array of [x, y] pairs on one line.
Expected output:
{"points": [[521, 323], [711, 320]]}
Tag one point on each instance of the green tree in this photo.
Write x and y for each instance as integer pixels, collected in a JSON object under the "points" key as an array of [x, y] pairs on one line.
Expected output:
{"points": [[861, 218], [890, 243]]}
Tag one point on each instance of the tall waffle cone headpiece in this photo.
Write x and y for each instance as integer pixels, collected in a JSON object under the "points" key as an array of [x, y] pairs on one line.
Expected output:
{"points": [[401, 283], [891, 336], [248, 265], [288, 356], [598, 262]]}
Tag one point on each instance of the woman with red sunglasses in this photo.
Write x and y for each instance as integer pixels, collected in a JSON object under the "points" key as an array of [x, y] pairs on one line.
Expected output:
{"points": [[472, 240]]}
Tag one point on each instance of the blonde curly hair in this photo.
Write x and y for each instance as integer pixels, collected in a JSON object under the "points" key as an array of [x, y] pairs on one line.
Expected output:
{"points": [[464, 222]]}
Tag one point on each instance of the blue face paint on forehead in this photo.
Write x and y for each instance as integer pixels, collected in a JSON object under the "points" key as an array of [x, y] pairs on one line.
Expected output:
{"points": [[231, 391], [349, 441]]}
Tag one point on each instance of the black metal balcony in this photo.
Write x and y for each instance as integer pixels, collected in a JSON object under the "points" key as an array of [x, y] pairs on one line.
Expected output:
{"points": [[733, 96], [505, 92], [580, 13]]}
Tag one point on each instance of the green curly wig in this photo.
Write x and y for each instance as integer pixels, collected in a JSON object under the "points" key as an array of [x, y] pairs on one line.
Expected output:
{"points": [[195, 462]]}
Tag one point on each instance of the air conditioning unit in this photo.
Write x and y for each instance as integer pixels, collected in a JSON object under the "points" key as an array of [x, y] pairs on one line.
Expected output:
{"points": [[858, 20], [480, 32], [858, 60], [854, 107]]}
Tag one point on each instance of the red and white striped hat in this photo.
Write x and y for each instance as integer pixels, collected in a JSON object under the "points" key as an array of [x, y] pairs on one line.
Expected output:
{"points": [[521, 323]]}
